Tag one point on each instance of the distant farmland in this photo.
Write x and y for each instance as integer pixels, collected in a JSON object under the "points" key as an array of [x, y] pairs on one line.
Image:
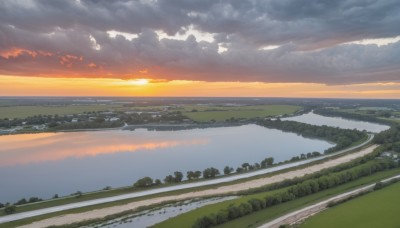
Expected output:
{"points": [[204, 114], [376, 209], [26, 111]]}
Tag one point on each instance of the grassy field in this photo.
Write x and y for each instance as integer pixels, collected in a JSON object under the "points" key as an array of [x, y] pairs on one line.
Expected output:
{"points": [[205, 114], [377, 209], [26, 111], [260, 217], [396, 120]]}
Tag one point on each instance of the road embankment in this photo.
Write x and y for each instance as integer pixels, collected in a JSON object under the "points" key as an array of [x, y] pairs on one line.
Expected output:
{"points": [[229, 188]]}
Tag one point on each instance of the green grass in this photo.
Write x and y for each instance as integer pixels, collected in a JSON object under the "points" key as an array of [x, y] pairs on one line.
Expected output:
{"points": [[260, 217], [376, 209], [26, 111], [205, 114], [396, 120]]}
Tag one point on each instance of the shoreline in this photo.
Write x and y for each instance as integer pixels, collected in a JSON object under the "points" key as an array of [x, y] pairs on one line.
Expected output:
{"points": [[226, 189], [222, 180]]}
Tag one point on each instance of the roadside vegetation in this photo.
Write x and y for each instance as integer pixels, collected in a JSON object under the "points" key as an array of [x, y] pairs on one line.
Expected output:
{"points": [[268, 197], [376, 209], [341, 137], [371, 116]]}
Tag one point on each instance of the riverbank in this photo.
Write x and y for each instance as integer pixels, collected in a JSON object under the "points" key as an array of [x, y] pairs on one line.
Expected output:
{"points": [[71, 218], [304, 213]]}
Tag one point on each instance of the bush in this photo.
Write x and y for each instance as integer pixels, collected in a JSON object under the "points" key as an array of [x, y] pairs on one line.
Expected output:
{"points": [[378, 185], [144, 182], [298, 189], [10, 209]]}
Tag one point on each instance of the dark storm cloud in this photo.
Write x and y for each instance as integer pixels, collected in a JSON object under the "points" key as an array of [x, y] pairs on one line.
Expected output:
{"points": [[59, 38]]}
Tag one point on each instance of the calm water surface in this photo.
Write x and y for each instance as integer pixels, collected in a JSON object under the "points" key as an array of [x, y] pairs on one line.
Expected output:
{"points": [[312, 118], [48, 163]]}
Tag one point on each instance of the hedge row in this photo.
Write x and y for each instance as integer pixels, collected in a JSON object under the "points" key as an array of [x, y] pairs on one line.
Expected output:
{"points": [[297, 191]]}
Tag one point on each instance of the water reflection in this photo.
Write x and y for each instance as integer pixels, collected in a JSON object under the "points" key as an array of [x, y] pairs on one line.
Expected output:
{"points": [[30, 148], [49, 163], [314, 119]]}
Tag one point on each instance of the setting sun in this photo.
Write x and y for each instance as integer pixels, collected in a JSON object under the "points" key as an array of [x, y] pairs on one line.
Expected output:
{"points": [[139, 82]]}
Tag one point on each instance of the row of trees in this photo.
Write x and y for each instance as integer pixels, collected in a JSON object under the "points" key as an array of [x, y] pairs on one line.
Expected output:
{"points": [[207, 173], [299, 190], [11, 208], [354, 116], [177, 177], [390, 137], [342, 137], [30, 200]]}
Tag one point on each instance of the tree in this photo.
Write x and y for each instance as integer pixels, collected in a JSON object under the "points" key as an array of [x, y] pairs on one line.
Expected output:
{"points": [[157, 182], [210, 172], [378, 185], [144, 182], [78, 194], [245, 166], [178, 176], [228, 170], [1, 205], [239, 169], [55, 196], [267, 162], [10, 209], [21, 201], [396, 146], [107, 188], [197, 174], [34, 199], [169, 179], [193, 175], [190, 175]]}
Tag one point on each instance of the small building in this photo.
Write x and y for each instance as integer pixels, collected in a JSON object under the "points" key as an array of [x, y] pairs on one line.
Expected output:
{"points": [[74, 120]]}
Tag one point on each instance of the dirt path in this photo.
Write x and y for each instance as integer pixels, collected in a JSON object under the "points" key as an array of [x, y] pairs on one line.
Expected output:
{"points": [[99, 213]]}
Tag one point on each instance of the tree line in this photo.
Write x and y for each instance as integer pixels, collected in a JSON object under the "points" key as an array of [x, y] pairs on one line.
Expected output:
{"points": [[349, 115], [298, 190], [341, 137], [207, 173], [390, 138]]}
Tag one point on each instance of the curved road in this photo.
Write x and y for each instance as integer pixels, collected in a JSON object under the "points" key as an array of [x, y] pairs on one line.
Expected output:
{"points": [[43, 211], [303, 213]]}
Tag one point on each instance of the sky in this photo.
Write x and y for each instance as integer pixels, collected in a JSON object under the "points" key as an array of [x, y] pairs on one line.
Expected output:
{"points": [[250, 48]]}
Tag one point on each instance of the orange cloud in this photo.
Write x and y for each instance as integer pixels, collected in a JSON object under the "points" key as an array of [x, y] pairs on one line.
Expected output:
{"points": [[92, 65], [15, 52], [68, 60], [38, 86]]}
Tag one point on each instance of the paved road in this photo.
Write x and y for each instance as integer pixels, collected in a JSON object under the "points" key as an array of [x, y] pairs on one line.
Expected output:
{"points": [[318, 207], [38, 212]]}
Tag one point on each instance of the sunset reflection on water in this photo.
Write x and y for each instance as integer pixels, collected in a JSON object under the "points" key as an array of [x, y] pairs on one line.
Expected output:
{"points": [[30, 148]]}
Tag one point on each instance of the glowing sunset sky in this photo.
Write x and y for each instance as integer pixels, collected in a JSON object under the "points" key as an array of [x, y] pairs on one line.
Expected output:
{"points": [[266, 48]]}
